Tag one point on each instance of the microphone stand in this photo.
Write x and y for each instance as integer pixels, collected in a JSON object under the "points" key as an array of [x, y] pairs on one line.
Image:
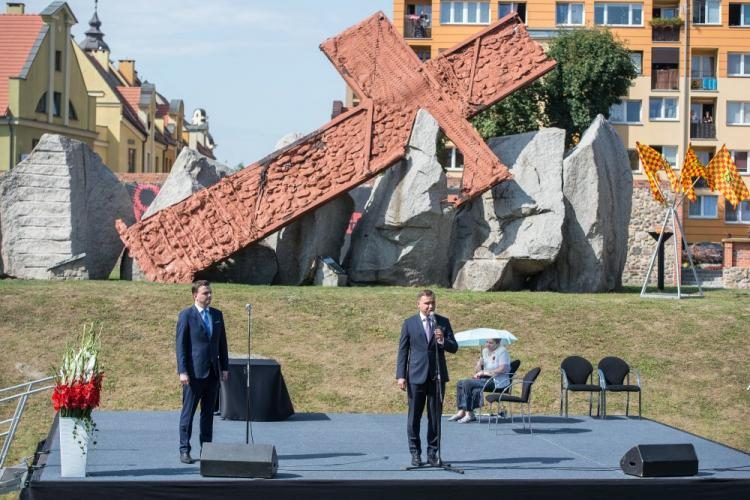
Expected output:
{"points": [[248, 429], [439, 391]]}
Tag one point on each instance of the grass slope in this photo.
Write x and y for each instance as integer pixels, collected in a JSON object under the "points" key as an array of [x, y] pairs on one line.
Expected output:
{"points": [[337, 347]]}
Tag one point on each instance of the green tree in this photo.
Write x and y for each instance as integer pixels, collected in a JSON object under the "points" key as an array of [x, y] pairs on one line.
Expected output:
{"points": [[593, 71]]}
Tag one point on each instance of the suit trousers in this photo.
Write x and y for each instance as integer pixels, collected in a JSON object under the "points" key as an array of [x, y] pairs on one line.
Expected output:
{"points": [[205, 391], [419, 394]]}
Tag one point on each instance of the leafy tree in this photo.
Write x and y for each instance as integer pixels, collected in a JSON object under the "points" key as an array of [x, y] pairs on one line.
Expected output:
{"points": [[593, 70]]}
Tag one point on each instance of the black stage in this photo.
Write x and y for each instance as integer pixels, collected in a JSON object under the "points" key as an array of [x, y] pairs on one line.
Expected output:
{"points": [[362, 456]]}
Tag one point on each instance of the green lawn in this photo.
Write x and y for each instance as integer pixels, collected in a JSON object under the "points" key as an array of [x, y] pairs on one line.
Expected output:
{"points": [[337, 347]]}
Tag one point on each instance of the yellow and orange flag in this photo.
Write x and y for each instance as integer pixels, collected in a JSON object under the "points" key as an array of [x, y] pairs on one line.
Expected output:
{"points": [[652, 162], [722, 171], [692, 167]]}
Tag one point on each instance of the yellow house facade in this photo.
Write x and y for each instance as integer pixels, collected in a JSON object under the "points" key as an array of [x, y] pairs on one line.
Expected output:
{"points": [[42, 89], [693, 89]]}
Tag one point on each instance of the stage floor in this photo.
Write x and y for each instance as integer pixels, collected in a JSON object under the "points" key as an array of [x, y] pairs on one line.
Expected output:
{"points": [[143, 446]]}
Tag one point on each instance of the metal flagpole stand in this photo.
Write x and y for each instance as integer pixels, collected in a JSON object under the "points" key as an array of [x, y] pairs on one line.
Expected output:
{"points": [[671, 216]]}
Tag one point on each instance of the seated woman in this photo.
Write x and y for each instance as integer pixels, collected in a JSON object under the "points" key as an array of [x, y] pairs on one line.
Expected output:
{"points": [[494, 363]]}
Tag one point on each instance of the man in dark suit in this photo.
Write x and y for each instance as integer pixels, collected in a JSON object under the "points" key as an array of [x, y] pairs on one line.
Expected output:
{"points": [[416, 371], [202, 358]]}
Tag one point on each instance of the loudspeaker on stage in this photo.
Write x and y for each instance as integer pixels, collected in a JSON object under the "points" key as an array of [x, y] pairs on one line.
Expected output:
{"points": [[660, 460], [239, 460]]}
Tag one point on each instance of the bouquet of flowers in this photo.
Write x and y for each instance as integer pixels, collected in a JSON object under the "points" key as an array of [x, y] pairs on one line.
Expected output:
{"points": [[79, 378]]}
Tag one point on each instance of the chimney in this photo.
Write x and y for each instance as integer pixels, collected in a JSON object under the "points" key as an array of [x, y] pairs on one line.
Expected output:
{"points": [[15, 8], [126, 67]]}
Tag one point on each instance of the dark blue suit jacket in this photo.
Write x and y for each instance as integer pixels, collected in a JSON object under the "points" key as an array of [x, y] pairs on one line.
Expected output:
{"points": [[416, 358], [196, 353]]}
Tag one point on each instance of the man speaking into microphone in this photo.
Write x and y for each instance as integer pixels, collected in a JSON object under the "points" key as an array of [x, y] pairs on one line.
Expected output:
{"points": [[416, 371]]}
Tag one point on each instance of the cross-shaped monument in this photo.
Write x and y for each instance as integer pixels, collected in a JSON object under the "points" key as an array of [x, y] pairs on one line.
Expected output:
{"points": [[392, 84]]}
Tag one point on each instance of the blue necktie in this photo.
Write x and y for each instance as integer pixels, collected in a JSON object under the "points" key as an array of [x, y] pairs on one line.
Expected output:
{"points": [[207, 322]]}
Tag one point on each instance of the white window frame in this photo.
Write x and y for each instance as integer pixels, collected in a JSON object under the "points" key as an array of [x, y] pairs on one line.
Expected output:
{"points": [[671, 157], [637, 53], [513, 8], [630, 6], [733, 154], [745, 113], [744, 64], [568, 19], [700, 200], [743, 216], [742, 24], [706, 4], [662, 108], [624, 105], [465, 12]]}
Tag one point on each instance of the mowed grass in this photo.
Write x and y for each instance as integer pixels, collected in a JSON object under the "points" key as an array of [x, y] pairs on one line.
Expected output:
{"points": [[337, 346]]}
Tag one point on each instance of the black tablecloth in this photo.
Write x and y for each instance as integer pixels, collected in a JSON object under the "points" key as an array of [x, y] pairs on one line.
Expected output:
{"points": [[269, 399]]}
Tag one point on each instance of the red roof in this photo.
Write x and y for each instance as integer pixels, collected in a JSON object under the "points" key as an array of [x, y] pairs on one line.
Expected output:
{"points": [[132, 96], [162, 110], [17, 36]]}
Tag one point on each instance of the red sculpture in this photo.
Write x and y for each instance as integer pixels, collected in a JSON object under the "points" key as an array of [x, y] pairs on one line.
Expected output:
{"points": [[392, 83]]}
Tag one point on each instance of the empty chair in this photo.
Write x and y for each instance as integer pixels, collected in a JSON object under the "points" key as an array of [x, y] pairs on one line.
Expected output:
{"points": [[505, 396], [490, 387], [577, 375], [614, 376]]}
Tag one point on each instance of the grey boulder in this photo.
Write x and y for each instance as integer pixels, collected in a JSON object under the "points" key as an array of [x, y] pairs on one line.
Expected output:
{"points": [[403, 236], [512, 232], [57, 204], [598, 190]]}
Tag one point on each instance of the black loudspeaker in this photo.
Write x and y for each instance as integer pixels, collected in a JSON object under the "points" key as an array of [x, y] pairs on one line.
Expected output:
{"points": [[660, 460], [239, 460]]}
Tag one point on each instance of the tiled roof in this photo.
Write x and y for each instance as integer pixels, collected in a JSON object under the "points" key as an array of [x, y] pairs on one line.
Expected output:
{"points": [[162, 110], [18, 34]]}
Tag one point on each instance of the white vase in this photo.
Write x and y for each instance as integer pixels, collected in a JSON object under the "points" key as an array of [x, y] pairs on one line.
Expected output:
{"points": [[73, 447]]}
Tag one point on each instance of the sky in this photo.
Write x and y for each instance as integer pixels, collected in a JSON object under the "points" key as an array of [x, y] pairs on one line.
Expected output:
{"points": [[254, 66]]}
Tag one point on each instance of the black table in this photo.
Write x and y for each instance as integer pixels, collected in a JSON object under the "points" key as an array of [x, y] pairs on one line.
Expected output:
{"points": [[269, 399]]}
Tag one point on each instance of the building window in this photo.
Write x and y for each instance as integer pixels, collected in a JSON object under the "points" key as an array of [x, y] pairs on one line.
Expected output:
{"points": [[618, 14], [131, 160], [662, 108], [464, 12], [34, 142], [739, 215], [634, 159], [707, 11], [41, 105], [740, 160], [72, 111], [626, 111], [569, 14], [739, 64], [423, 53], [636, 58], [505, 8], [739, 14], [666, 12], [738, 113], [705, 207], [669, 153], [58, 60]]}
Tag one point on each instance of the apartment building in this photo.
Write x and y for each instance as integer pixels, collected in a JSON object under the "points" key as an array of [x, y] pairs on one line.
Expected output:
{"points": [[693, 85]]}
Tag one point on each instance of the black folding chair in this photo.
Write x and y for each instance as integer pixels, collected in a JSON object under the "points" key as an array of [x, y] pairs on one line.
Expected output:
{"points": [[489, 386], [524, 399], [614, 376], [577, 375]]}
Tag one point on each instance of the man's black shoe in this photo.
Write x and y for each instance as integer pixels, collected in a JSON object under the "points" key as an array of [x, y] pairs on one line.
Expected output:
{"points": [[416, 460], [433, 460], [185, 458]]}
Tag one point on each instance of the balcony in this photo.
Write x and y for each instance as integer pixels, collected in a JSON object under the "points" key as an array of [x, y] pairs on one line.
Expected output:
{"points": [[665, 34], [665, 79], [703, 131], [417, 27], [703, 81]]}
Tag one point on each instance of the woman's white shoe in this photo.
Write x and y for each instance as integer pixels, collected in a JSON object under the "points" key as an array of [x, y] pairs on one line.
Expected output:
{"points": [[468, 418], [457, 416]]}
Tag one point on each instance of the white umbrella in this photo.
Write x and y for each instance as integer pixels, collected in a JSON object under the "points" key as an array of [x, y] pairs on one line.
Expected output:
{"points": [[478, 336]]}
